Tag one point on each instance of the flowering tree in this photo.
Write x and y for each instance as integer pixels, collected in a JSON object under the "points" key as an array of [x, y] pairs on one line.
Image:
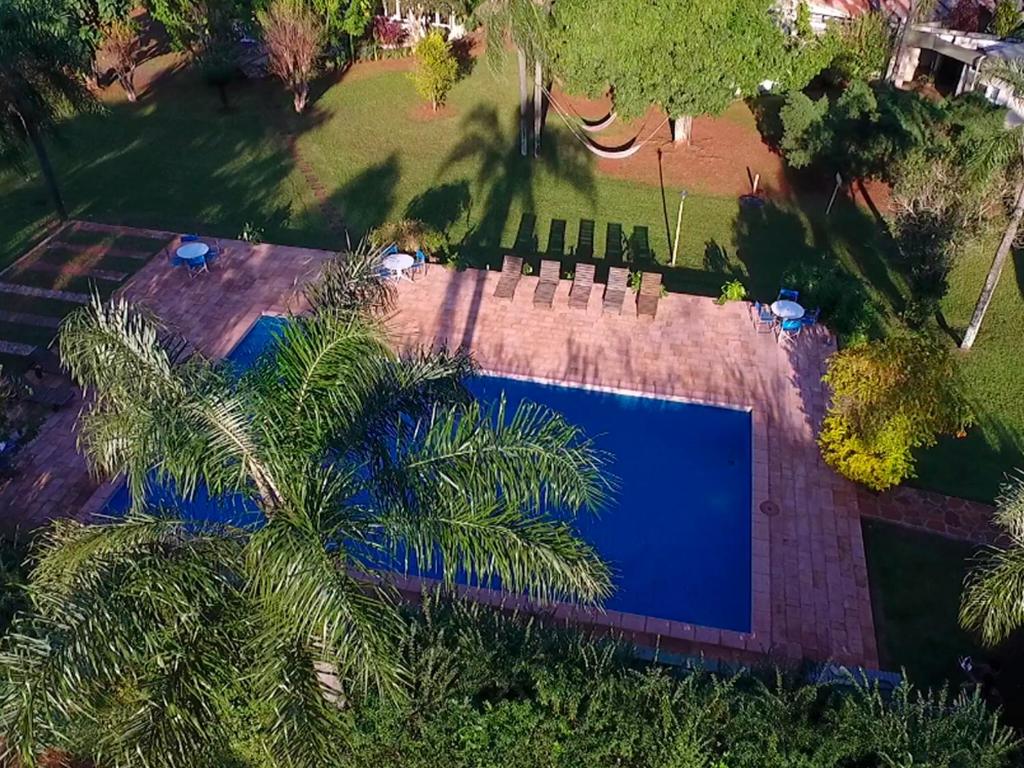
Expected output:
{"points": [[294, 37]]}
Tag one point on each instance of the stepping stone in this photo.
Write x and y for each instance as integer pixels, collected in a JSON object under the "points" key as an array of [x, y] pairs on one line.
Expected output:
{"points": [[14, 348], [27, 318], [45, 293]]}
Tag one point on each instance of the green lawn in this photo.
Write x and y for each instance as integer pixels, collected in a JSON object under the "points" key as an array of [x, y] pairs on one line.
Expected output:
{"points": [[916, 580], [178, 161]]}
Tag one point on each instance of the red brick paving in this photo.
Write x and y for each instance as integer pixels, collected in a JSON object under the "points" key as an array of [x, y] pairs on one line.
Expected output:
{"points": [[810, 579]]}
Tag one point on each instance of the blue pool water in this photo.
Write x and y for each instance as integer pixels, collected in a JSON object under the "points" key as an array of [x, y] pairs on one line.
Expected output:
{"points": [[677, 534]]}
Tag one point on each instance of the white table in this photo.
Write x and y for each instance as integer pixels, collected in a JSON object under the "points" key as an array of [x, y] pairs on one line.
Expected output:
{"points": [[398, 263], [787, 310], [193, 252]]}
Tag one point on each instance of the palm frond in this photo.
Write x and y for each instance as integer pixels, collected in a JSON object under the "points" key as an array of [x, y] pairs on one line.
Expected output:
{"points": [[353, 281], [993, 598]]}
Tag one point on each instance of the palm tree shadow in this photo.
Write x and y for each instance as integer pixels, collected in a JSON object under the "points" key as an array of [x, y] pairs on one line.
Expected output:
{"points": [[508, 179]]}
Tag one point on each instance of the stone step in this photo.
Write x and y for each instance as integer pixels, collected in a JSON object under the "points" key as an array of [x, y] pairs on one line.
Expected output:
{"points": [[14, 348], [45, 293], [27, 318]]}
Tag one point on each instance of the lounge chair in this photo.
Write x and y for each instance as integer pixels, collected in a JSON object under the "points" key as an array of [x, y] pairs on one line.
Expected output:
{"points": [[649, 296], [615, 290], [550, 274], [511, 273], [582, 283]]}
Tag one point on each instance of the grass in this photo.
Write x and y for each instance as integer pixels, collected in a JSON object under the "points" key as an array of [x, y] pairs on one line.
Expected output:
{"points": [[916, 580], [179, 161]]}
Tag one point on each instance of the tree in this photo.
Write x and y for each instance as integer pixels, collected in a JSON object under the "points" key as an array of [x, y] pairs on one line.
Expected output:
{"points": [[294, 37], [437, 68], [122, 45], [887, 398], [92, 20], [991, 603], [194, 25], [688, 56], [1005, 18], [40, 82], [526, 24], [342, 462]]}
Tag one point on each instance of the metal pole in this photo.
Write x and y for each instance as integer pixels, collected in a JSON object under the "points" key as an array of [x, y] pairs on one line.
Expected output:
{"points": [[839, 183], [679, 222]]}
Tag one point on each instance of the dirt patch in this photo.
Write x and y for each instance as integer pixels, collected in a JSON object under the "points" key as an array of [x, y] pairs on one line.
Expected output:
{"points": [[364, 69], [424, 113]]}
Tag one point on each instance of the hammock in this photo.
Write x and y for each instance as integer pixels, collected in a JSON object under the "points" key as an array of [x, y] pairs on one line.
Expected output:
{"points": [[593, 126], [627, 150]]}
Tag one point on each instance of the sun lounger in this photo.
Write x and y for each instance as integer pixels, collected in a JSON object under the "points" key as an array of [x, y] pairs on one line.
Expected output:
{"points": [[511, 272], [615, 290], [582, 283], [550, 274], [649, 296]]}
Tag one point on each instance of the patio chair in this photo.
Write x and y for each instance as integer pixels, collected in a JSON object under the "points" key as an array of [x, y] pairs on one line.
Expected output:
{"points": [[764, 320], [615, 290], [550, 274], [420, 264], [190, 238], [789, 328], [788, 294], [649, 296], [391, 249], [511, 273], [582, 284], [811, 318]]}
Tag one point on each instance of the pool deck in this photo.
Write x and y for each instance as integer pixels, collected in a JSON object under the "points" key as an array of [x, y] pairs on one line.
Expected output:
{"points": [[810, 583]]}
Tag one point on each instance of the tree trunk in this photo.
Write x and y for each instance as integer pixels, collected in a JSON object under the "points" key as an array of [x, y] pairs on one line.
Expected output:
{"points": [[682, 127], [523, 96], [301, 96], [44, 166], [992, 279], [538, 105]]}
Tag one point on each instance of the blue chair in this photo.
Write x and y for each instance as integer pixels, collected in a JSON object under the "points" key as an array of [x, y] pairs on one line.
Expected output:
{"points": [[390, 250], [811, 318], [190, 238], [421, 262], [787, 294], [764, 320], [790, 328]]}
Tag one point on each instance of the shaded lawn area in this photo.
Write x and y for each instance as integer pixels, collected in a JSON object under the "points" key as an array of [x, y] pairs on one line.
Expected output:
{"points": [[916, 579], [179, 161]]}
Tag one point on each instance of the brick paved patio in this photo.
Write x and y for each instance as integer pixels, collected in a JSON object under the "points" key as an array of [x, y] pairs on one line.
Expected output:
{"points": [[810, 590]]}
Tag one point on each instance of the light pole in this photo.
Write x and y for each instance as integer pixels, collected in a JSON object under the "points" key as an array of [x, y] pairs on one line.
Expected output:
{"points": [[679, 221]]}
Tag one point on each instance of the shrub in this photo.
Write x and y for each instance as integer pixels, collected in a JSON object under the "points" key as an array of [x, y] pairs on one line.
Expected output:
{"points": [[1005, 18], [732, 291], [802, 21], [122, 45], [437, 69], [409, 235], [865, 45], [846, 307], [889, 397], [801, 118]]}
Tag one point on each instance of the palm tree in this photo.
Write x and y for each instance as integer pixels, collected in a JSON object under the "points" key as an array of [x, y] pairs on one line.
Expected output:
{"points": [[524, 23], [1005, 152], [40, 81], [343, 462], [993, 599]]}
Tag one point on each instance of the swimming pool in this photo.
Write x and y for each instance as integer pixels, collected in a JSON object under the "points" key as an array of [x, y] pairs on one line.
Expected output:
{"points": [[678, 532]]}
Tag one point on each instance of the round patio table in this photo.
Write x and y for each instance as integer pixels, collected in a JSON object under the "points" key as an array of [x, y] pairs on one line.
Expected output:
{"points": [[398, 263], [193, 253], [787, 310]]}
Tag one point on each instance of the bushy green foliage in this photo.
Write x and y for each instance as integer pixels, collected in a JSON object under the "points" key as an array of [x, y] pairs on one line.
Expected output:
{"points": [[193, 25], [437, 69], [802, 22], [846, 306], [409, 235], [492, 691], [1005, 18], [889, 397], [691, 57], [865, 46], [732, 291], [801, 117]]}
